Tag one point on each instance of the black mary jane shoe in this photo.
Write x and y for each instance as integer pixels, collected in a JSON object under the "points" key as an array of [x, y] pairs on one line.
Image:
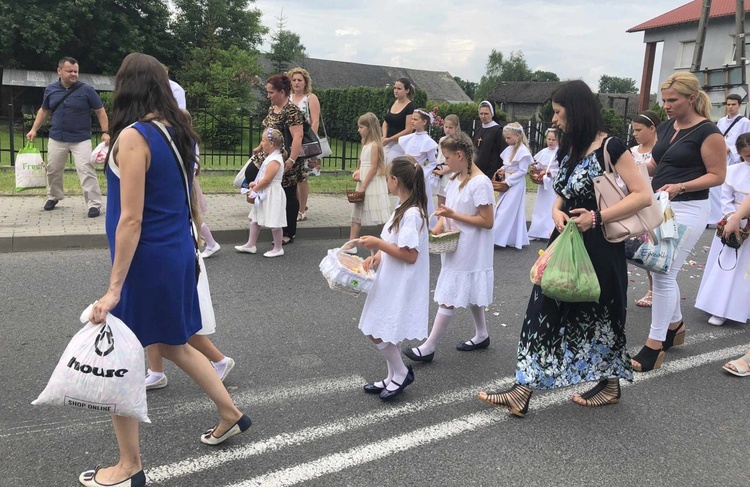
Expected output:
{"points": [[674, 337], [470, 345], [374, 388], [418, 357], [387, 395], [648, 358]]}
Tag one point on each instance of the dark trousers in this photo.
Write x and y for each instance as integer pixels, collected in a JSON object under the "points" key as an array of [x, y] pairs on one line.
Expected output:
{"points": [[292, 208]]}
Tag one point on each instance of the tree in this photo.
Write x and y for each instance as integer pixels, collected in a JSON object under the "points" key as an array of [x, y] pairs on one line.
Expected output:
{"points": [[544, 76], [513, 68], [35, 34], [286, 46], [217, 23], [614, 84], [469, 87]]}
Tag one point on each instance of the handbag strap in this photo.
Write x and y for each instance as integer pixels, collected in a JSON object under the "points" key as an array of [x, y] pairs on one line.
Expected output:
{"points": [[736, 257], [178, 159], [678, 140], [61, 100], [740, 117]]}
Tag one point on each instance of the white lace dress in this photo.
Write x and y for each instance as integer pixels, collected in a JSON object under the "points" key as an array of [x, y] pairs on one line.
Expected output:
{"points": [[269, 209], [467, 276], [375, 209], [398, 304]]}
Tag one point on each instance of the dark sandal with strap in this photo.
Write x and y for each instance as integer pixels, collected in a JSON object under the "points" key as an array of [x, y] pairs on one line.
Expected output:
{"points": [[606, 392], [648, 359], [674, 337], [516, 399]]}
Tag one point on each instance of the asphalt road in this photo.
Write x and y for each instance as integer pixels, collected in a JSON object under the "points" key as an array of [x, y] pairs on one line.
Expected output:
{"points": [[301, 363]]}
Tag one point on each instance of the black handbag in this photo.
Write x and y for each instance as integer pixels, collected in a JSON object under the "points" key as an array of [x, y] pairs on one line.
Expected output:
{"points": [[310, 142]]}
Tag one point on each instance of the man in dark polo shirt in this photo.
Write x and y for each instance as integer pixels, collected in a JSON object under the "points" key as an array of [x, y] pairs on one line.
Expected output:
{"points": [[69, 102]]}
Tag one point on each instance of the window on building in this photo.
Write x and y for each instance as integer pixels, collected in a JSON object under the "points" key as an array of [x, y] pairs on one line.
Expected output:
{"points": [[685, 54], [731, 53]]}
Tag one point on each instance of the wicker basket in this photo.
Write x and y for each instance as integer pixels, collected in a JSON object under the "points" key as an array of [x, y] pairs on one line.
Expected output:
{"points": [[536, 173], [445, 242], [354, 196], [345, 272]]}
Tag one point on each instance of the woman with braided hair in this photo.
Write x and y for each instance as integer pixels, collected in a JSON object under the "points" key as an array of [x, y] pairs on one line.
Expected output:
{"points": [[467, 277]]}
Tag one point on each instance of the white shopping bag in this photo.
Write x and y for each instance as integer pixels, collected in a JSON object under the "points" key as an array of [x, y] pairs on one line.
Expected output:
{"points": [[30, 171], [208, 318], [101, 369], [99, 154]]}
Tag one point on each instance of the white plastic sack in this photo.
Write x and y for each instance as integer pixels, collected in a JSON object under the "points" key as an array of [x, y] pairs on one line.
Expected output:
{"points": [[30, 171], [99, 154], [208, 318], [101, 369], [240, 177]]}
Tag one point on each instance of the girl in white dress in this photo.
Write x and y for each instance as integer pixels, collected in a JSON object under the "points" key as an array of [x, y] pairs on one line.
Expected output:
{"points": [[644, 132], [267, 196], [466, 277], [398, 304], [370, 177], [423, 149], [510, 210], [541, 220], [725, 293], [442, 174]]}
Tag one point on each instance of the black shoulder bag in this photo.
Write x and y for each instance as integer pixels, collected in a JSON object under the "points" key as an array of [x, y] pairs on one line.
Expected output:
{"points": [[732, 126]]}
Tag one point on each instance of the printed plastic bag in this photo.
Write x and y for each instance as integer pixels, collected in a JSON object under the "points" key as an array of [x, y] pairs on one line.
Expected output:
{"points": [[101, 369], [99, 154], [658, 256], [570, 275], [30, 171], [537, 270]]}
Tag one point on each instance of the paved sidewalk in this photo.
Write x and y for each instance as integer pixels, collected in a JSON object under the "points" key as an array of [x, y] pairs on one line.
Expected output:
{"points": [[25, 226]]}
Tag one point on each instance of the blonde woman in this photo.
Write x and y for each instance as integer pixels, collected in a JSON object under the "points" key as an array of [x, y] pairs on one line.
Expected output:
{"points": [[510, 210], [309, 105], [690, 158], [370, 177]]}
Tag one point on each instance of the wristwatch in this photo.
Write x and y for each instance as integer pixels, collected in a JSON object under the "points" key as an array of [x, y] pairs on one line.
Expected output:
{"points": [[682, 188]]}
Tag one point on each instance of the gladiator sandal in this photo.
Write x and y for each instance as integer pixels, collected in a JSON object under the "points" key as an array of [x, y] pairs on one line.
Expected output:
{"points": [[648, 359], [516, 399], [606, 392]]}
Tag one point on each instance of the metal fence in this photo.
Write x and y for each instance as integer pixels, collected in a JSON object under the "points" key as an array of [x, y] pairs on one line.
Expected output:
{"points": [[228, 145]]}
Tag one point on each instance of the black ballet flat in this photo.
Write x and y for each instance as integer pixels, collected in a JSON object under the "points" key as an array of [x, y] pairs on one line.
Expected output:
{"points": [[418, 358], [375, 389], [387, 395], [648, 358], [468, 347]]}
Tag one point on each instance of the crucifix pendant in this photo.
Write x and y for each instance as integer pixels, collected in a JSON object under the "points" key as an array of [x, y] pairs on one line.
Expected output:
{"points": [[479, 141]]}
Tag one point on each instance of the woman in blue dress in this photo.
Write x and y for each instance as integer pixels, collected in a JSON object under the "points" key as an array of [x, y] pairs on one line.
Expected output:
{"points": [[153, 284], [563, 344]]}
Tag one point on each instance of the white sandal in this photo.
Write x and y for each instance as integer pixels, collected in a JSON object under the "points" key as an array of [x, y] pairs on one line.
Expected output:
{"points": [[741, 366]]}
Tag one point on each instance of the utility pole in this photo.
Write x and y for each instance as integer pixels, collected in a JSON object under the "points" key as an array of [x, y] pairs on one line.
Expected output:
{"points": [[739, 20], [700, 40]]}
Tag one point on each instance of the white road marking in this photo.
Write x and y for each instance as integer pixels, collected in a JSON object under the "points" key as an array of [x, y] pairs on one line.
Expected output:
{"points": [[246, 400], [373, 451]]}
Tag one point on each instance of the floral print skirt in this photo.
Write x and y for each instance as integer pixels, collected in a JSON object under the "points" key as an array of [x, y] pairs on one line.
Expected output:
{"points": [[563, 344]]}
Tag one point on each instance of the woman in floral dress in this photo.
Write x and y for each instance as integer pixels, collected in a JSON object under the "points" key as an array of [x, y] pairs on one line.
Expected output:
{"points": [[561, 343]]}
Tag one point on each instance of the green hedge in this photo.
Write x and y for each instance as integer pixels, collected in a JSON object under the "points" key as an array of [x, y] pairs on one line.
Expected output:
{"points": [[341, 107]]}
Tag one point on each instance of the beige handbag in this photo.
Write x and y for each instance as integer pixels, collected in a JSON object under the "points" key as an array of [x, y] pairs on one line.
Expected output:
{"points": [[609, 193]]}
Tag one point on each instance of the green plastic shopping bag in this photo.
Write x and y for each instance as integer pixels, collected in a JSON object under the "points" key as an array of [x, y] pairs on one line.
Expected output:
{"points": [[570, 275], [30, 171]]}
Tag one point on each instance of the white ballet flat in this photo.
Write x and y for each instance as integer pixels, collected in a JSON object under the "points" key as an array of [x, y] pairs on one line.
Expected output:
{"points": [[240, 426], [88, 479], [209, 251], [246, 250]]}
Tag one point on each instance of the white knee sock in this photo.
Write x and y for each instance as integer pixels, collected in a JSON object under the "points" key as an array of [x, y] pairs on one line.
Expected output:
{"points": [[392, 355], [480, 323], [439, 327], [380, 346], [206, 234]]}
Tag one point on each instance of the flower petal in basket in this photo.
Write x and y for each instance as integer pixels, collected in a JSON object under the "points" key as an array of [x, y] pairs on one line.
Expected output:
{"points": [[345, 272]]}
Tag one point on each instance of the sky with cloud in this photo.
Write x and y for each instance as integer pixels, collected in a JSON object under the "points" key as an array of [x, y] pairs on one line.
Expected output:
{"points": [[575, 38]]}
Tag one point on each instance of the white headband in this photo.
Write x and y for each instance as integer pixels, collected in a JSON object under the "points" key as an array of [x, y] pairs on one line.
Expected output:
{"points": [[425, 113], [487, 104], [514, 128]]}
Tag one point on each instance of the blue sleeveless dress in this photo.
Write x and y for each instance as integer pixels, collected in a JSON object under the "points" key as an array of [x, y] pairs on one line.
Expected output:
{"points": [[159, 299]]}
